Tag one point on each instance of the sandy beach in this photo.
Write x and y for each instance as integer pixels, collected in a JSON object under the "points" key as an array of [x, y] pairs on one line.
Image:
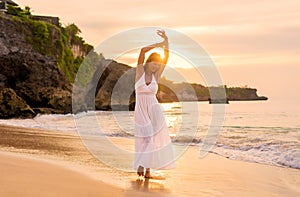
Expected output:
{"points": [[25, 176], [37, 162]]}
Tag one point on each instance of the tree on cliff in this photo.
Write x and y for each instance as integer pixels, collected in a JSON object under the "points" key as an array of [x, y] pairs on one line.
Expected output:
{"points": [[17, 11], [73, 31]]}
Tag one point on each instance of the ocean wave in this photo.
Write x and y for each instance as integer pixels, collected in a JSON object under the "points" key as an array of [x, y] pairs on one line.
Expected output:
{"points": [[278, 153], [186, 140], [269, 153], [279, 129]]}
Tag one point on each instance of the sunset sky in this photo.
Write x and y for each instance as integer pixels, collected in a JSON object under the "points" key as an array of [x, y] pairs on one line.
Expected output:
{"points": [[252, 42]]}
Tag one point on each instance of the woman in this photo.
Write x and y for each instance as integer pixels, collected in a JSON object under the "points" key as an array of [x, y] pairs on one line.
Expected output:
{"points": [[153, 147]]}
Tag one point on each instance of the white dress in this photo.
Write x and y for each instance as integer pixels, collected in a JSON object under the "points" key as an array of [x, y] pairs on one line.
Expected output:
{"points": [[153, 146]]}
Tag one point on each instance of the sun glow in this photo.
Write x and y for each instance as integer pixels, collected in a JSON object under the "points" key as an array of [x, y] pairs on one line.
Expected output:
{"points": [[178, 69], [160, 51], [175, 60]]}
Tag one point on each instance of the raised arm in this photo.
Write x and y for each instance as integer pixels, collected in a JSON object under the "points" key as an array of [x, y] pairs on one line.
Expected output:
{"points": [[141, 59], [165, 45]]}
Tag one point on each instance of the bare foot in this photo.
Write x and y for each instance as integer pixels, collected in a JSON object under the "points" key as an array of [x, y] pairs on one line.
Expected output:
{"points": [[148, 175], [140, 171]]}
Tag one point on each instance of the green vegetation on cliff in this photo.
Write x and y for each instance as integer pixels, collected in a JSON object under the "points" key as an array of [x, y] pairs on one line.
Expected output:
{"points": [[55, 41]]}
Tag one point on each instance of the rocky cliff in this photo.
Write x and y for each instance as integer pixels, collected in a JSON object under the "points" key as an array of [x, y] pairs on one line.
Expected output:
{"points": [[36, 79], [36, 67]]}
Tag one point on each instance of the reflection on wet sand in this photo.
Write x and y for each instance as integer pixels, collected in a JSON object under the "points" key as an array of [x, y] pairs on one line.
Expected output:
{"points": [[150, 185]]}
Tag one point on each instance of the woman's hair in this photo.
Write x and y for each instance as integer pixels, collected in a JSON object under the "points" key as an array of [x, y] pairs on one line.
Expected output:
{"points": [[154, 57]]}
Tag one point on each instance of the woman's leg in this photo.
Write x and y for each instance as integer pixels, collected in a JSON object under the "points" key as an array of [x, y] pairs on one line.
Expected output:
{"points": [[148, 175], [140, 171]]}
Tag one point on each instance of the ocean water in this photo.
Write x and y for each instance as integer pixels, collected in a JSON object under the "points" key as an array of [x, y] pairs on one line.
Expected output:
{"points": [[265, 132]]}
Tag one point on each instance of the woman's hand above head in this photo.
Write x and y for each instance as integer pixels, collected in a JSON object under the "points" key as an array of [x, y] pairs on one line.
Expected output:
{"points": [[162, 34], [165, 43]]}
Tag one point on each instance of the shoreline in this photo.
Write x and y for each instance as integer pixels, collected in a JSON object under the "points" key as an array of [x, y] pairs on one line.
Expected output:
{"points": [[212, 175]]}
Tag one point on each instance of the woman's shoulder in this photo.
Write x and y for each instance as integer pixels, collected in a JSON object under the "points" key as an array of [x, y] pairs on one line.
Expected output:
{"points": [[138, 76]]}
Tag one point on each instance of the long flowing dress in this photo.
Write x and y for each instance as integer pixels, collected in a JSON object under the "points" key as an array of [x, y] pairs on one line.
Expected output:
{"points": [[153, 146]]}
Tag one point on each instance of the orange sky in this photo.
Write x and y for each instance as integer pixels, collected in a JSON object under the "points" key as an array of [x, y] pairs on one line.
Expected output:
{"points": [[252, 42]]}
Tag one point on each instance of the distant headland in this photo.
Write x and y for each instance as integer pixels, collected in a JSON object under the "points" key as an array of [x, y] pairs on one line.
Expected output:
{"points": [[39, 59]]}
